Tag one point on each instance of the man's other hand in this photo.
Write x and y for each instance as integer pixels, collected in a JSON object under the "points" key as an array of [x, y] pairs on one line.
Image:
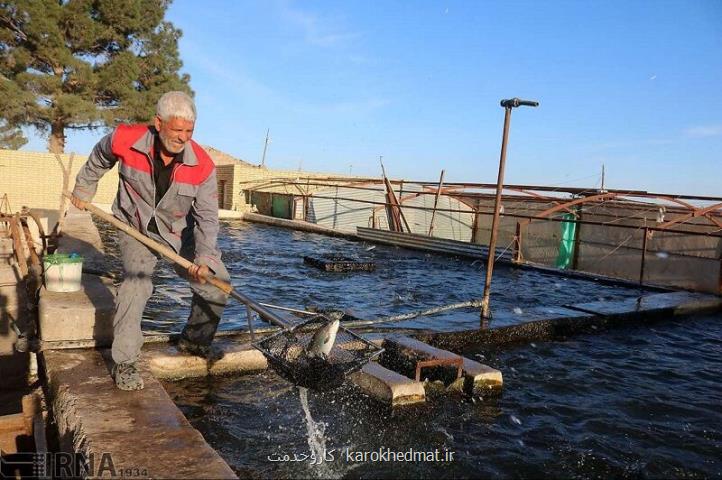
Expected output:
{"points": [[198, 272], [80, 204]]}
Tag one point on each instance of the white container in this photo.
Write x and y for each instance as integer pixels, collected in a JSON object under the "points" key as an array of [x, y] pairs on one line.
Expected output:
{"points": [[63, 272]]}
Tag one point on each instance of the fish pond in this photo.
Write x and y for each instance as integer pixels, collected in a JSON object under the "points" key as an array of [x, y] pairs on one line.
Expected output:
{"points": [[636, 401]]}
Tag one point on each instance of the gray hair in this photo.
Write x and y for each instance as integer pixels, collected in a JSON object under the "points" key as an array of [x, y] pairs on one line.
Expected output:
{"points": [[176, 104]]}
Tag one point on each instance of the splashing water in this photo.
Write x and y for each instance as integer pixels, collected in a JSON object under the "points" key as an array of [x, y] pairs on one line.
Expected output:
{"points": [[316, 439]]}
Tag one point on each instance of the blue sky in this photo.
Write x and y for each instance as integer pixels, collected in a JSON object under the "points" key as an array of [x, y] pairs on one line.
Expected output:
{"points": [[636, 86]]}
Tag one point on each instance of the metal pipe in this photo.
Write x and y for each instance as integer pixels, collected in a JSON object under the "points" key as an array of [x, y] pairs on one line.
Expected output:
{"points": [[577, 242], [475, 225], [644, 255], [508, 105], [265, 148], [541, 188], [495, 219], [516, 255], [514, 215]]}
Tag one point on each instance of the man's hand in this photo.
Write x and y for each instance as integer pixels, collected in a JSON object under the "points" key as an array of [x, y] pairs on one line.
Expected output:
{"points": [[80, 204], [198, 272]]}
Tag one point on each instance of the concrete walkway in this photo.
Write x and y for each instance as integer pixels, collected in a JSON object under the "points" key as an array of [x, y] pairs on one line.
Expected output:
{"points": [[143, 431]]}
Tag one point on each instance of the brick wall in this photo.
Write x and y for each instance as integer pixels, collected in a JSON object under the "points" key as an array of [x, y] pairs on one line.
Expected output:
{"points": [[35, 179]]}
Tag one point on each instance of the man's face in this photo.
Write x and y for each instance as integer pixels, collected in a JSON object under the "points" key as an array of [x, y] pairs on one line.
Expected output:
{"points": [[174, 133]]}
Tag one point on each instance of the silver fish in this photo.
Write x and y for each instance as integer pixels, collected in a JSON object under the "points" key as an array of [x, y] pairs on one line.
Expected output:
{"points": [[323, 339]]}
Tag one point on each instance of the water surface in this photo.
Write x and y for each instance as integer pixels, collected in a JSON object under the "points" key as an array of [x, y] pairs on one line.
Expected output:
{"points": [[640, 401], [266, 263]]}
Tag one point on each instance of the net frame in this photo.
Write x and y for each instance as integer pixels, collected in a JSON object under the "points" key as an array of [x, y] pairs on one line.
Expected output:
{"points": [[286, 353]]}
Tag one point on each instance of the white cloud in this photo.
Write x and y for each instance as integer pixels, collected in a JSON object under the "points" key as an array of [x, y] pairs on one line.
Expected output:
{"points": [[317, 30], [701, 131]]}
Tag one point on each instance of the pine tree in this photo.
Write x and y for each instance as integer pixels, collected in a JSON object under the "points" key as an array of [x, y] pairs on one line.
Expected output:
{"points": [[11, 137], [78, 64]]}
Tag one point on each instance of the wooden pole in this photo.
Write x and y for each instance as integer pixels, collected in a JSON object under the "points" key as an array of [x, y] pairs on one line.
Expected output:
{"points": [[394, 207], [66, 184], [18, 245]]}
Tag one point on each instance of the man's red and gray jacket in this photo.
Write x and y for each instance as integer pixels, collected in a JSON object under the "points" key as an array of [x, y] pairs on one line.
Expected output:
{"points": [[189, 209]]}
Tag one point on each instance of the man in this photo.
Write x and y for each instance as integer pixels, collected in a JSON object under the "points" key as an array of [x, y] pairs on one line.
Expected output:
{"points": [[167, 191]]}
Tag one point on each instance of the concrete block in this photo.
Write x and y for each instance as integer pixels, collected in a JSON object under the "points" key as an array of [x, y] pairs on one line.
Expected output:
{"points": [[402, 354], [388, 386], [83, 315], [480, 379], [477, 378], [168, 363], [143, 431]]}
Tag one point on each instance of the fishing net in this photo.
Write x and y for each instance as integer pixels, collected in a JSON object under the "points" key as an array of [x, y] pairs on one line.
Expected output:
{"points": [[286, 353]]}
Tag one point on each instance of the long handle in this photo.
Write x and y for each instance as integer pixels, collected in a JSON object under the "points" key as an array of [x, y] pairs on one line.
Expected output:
{"points": [[174, 257]]}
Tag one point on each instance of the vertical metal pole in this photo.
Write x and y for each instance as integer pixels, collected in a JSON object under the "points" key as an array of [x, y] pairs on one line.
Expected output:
{"points": [[485, 314], [517, 244], [475, 224], [720, 274], [577, 241], [644, 255], [265, 147]]}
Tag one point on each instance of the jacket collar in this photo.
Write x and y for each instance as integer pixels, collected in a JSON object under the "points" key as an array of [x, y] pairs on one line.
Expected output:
{"points": [[145, 145]]}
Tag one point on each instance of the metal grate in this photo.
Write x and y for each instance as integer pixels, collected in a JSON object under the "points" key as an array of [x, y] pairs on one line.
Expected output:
{"points": [[285, 352]]}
